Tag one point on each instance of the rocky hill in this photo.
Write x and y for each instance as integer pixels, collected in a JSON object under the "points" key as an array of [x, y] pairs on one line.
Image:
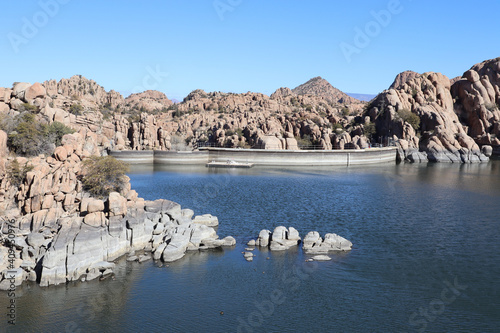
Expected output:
{"points": [[424, 113], [433, 120], [148, 101], [477, 101], [320, 87]]}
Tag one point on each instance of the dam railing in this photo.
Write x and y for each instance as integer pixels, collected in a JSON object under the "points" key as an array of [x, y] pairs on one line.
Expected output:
{"points": [[387, 143]]}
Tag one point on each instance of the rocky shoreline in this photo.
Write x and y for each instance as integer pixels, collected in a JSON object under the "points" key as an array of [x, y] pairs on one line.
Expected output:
{"points": [[54, 232]]}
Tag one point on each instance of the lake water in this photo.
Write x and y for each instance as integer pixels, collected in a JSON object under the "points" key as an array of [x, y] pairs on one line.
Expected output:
{"points": [[425, 257]]}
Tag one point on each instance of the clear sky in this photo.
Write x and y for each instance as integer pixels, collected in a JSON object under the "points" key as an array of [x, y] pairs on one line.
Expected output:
{"points": [[242, 45]]}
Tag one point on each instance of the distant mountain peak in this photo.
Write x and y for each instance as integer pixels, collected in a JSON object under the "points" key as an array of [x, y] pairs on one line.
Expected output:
{"points": [[318, 86]]}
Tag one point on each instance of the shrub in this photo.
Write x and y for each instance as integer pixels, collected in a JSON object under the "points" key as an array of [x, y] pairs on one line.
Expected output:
{"points": [[369, 130], [103, 175], [337, 127], [409, 117], [56, 131], [16, 174], [76, 109], [27, 137], [7, 122], [305, 141], [29, 107], [345, 111], [177, 113], [30, 138]]}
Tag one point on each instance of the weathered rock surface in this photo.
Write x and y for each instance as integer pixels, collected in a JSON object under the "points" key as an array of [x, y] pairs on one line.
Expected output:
{"points": [[206, 219], [283, 238], [313, 243], [320, 87], [477, 96], [439, 135], [62, 234]]}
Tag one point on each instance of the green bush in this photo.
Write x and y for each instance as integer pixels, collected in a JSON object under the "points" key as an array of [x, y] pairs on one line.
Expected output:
{"points": [[337, 127], [369, 130], [16, 174], [29, 107], [103, 175], [31, 138], [27, 138], [177, 113], [410, 117], [76, 109], [56, 130]]}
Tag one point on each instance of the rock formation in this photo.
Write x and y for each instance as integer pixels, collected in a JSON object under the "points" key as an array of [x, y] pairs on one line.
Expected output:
{"points": [[149, 100], [477, 101], [402, 78], [314, 244], [320, 87], [283, 239], [454, 121], [420, 116], [63, 234]]}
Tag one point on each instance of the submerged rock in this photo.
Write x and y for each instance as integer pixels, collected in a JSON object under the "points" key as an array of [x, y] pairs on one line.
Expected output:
{"points": [[321, 257]]}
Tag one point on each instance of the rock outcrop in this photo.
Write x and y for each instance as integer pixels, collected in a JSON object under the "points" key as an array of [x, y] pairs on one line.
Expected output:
{"points": [[420, 117], [454, 121], [148, 100], [149, 120], [314, 244], [402, 78], [283, 239], [477, 101], [320, 87], [63, 234]]}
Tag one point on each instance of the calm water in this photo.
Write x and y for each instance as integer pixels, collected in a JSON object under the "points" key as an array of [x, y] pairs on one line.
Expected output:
{"points": [[416, 230]]}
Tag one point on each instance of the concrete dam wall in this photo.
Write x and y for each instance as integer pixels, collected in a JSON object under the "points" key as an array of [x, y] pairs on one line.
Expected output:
{"points": [[261, 156]]}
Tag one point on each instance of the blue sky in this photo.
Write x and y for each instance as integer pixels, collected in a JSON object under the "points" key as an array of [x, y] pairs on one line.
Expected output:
{"points": [[242, 45]]}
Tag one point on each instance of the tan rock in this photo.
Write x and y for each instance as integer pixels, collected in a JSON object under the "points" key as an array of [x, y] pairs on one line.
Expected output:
{"points": [[97, 219], [3, 144], [5, 95], [34, 91], [95, 205], [4, 107], [48, 201], [61, 154], [117, 204], [19, 89]]}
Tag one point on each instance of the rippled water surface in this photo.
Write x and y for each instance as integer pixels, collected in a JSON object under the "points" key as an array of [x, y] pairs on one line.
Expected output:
{"points": [[426, 256]]}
